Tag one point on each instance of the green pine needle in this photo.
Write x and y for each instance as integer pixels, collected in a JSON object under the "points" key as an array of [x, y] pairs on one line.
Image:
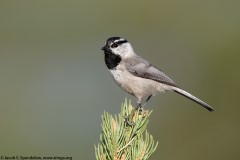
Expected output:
{"points": [[119, 141]]}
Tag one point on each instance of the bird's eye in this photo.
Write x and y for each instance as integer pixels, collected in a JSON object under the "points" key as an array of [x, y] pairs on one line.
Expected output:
{"points": [[114, 45]]}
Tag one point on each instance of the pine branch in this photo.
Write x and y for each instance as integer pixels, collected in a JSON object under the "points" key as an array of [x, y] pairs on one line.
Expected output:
{"points": [[119, 141]]}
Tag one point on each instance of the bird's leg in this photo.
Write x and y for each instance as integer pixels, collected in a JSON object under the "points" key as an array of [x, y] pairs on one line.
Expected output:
{"points": [[139, 109], [141, 105], [146, 101], [129, 118]]}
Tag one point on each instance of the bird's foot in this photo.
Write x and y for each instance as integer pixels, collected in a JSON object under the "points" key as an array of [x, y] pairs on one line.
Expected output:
{"points": [[140, 110], [128, 120]]}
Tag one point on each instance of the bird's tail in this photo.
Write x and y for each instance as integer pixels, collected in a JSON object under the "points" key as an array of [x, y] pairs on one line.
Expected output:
{"points": [[193, 98]]}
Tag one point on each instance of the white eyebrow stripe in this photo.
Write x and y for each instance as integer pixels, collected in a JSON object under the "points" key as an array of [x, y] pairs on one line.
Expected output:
{"points": [[121, 39]]}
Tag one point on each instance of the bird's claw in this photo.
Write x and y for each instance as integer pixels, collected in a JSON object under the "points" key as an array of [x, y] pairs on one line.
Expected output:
{"points": [[128, 121]]}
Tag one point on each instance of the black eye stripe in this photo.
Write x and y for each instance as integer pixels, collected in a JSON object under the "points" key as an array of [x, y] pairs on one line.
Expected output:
{"points": [[114, 45]]}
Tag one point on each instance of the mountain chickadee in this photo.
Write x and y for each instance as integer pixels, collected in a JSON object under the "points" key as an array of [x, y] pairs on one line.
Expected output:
{"points": [[137, 76]]}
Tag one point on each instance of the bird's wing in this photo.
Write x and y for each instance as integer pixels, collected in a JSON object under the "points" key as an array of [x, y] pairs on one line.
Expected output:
{"points": [[142, 68]]}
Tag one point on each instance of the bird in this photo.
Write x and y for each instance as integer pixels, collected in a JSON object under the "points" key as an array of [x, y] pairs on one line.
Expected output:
{"points": [[137, 76]]}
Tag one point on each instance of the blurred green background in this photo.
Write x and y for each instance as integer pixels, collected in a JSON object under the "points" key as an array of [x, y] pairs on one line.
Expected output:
{"points": [[54, 84]]}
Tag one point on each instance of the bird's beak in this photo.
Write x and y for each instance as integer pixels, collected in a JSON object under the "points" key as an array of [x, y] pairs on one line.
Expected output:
{"points": [[104, 48]]}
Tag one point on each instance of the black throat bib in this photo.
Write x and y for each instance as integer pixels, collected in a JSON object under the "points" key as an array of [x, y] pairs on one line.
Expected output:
{"points": [[111, 60]]}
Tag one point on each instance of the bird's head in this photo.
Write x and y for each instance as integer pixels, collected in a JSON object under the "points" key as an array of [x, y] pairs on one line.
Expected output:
{"points": [[118, 46]]}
